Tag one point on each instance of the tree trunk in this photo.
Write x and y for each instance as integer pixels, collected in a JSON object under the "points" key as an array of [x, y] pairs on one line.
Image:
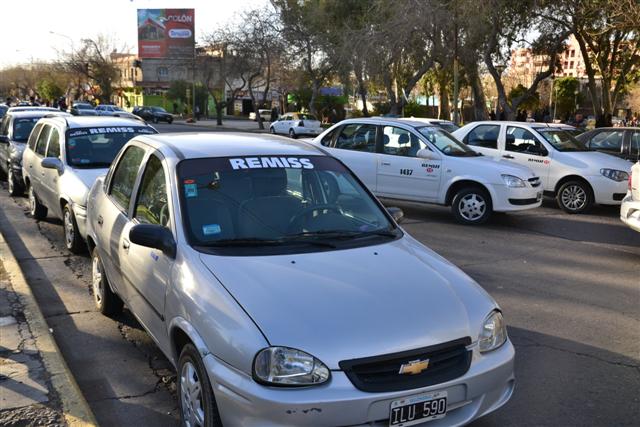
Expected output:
{"points": [[444, 110], [219, 107], [315, 88], [479, 101]]}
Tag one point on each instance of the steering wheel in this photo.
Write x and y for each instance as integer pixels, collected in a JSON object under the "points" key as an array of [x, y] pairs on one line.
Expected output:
{"points": [[447, 149], [310, 209]]}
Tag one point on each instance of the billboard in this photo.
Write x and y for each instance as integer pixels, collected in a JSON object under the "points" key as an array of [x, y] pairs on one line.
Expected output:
{"points": [[166, 33]]}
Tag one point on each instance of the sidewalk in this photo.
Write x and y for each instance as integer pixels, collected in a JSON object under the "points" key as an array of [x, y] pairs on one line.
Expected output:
{"points": [[36, 387]]}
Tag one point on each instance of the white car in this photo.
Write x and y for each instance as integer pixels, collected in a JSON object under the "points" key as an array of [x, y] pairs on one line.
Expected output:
{"points": [[296, 124], [447, 125], [264, 115], [415, 161], [630, 208], [576, 176]]}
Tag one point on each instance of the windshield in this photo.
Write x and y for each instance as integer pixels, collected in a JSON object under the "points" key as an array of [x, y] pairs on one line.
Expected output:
{"points": [[97, 147], [277, 203], [562, 140], [448, 126], [83, 107], [158, 109], [446, 143], [307, 117], [22, 128]]}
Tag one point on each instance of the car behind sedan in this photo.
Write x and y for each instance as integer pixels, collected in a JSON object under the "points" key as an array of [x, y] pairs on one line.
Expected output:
{"points": [[284, 293]]}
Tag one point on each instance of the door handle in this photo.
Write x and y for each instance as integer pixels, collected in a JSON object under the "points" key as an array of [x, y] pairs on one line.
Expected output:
{"points": [[100, 220], [385, 164], [125, 244], [508, 156]]}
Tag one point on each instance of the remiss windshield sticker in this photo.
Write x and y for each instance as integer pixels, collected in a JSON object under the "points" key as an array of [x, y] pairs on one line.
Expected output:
{"points": [[210, 229], [271, 163]]}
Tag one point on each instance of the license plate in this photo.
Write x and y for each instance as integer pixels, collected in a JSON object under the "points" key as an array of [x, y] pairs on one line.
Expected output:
{"points": [[539, 197], [418, 409]]}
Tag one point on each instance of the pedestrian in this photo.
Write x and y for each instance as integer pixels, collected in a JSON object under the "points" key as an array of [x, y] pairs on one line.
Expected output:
{"points": [[175, 107], [274, 114], [197, 112]]}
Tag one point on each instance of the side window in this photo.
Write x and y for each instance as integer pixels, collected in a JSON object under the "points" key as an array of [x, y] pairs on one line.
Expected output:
{"points": [[608, 141], [635, 142], [33, 137], [41, 145], [358, 138], [520, 140], [4, 127], [484, 136], [400, 142], [152, 205], [54, 144], [326, 140], [124, 176]]}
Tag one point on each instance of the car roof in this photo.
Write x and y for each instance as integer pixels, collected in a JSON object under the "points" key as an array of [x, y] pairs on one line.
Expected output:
{"points": [[617, 128], [425, 120], [31, 108], [533, 125], [388, 121], [96, 121], [37, 113], [223, 144]]}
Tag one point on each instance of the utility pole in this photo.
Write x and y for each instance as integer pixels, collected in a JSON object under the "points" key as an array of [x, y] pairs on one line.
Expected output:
{"points": [[193, 83]]}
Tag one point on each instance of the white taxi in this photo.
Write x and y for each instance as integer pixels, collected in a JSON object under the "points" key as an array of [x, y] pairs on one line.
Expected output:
{"points": [[575, 175], [416, 161]]}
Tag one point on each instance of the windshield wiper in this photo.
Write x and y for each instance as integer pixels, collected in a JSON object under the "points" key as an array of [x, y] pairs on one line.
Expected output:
{"points": [[343, 234], [254, 242]]}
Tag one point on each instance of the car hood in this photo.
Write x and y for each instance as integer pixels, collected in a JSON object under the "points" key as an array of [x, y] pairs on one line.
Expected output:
{"points": [[77, 182], [353, 303], [496, 164], [591, 161]]}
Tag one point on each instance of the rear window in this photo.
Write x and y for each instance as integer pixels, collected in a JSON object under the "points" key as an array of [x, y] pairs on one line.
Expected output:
{"points": [[307, 117], [97, 147], [22, 128]]}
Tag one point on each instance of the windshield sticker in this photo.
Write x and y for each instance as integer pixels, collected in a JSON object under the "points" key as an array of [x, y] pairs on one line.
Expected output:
{"points": [[78, 133], [210, 229], [82, 161], [271, 163], [190, 190]]}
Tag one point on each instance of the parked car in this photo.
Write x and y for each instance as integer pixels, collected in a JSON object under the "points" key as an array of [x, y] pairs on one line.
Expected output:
{"points": [[447, 125], [623, 142], [31, 108], [15, 129], [114, 111], [277, 286], [630, 208], [63, 158], [296, 124], [572, 130], [154, 114], [415, 161], [82, 109], [264, 115], [576, 176]]}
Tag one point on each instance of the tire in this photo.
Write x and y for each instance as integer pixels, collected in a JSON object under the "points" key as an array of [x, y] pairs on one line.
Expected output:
{"points": [[107, 302], [169, 121], [36, 209], [15, 186], [72, 239], [472, 206], [574, 197], [191, 374], [292, 134], [155, 120]]}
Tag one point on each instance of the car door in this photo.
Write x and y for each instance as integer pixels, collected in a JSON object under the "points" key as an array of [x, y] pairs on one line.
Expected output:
{"points": [[146, 271], [29, 152], [355, 145], [484, 139], [608, 141], [49, 195], [35, 169], [112, 213], [401, 174], [520, 145], [4, 144]]}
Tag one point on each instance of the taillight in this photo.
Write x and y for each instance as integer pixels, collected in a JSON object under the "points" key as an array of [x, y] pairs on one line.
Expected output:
{"points": [[301, 123]]}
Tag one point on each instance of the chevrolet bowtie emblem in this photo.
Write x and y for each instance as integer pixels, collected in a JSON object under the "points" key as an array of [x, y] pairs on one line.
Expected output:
{"points": [[414, 367]]}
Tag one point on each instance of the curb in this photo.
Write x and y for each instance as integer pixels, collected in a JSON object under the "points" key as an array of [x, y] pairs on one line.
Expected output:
{"points": [[74, 406]]}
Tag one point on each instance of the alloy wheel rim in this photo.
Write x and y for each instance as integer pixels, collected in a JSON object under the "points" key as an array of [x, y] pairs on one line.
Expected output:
{"points": [[69, 234], [574, 197], [97, 280], [472, 207], [10, 181], [32, 201], [191, 395]]}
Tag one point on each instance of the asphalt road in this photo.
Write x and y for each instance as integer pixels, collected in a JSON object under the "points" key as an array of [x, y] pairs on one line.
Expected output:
{"points": [[569, 287]]}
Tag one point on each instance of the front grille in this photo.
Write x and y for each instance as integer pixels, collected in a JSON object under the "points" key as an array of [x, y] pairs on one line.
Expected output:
{"points": [[522, 202], [618, 196], [535, 181], [447, 361]]}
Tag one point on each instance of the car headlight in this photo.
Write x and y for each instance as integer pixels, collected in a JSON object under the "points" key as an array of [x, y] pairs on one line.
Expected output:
{"points": [[614, 174], [493, 333], [513, 181], [286, 366]]}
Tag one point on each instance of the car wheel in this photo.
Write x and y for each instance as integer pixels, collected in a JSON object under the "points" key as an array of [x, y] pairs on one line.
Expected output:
{"points": [[155, 120], [574, 197], [72, 239], [36, 209], [107, 302], [170, 120], [195, 396], [15, 187], [471, 206], [292, 134]]}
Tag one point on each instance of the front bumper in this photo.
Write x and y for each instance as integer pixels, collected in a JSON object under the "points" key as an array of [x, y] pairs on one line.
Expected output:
{"points": [[507, 199], [607, 191], [630, 212], [487, 385]]}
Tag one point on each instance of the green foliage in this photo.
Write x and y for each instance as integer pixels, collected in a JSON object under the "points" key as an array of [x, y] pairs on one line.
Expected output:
{"points": [[529, 102], [413, 109], [564, 94], [178, 90], [48, 89]]}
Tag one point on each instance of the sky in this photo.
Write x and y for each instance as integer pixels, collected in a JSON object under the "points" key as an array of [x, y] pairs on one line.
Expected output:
{"points": [[26, 31]]}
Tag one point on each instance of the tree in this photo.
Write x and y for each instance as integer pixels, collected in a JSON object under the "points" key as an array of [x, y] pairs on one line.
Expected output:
{"points": [[566, 95], [178, 91], [48, 89]]}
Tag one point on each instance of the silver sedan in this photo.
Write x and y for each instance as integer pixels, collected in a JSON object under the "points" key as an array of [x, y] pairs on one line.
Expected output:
{"points": [[285, 294]]}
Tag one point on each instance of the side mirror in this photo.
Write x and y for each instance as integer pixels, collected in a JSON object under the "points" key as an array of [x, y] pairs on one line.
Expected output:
{"points": [[427, 154], [396, 213], [154, 236], [52, 163], [4, 139]]}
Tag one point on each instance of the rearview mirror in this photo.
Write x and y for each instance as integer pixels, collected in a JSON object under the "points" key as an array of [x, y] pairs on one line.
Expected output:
{"points": [[154, 236], [427, 154], [52, 163], [396, 213]]}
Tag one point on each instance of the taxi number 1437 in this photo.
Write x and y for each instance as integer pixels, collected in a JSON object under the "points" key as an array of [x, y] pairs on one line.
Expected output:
{"points": [[406, 171]]}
